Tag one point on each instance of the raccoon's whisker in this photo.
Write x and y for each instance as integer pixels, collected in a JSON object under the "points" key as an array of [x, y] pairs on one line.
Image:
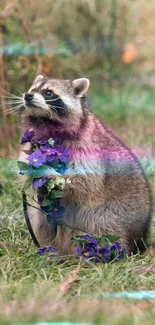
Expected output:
{"points": [[4, 94], [58, 107], [8, 93], [14, 102], [53, 109], [13, 109], [51, 116], [11, 97], [19, 91], [18, 104], [35, 101], [49, 113], [51, 100], [12, 112], [5, 91]]}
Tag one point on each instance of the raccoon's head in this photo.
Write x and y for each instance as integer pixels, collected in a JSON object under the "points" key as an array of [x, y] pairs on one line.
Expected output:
{"points": [[59, 102]]}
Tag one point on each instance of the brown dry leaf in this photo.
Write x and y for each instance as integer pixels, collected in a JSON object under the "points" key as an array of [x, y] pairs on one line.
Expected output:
{"points": [[130, 53], [72, 276]]}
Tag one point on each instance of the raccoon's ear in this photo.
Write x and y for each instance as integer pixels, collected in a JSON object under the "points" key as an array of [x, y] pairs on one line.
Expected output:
{"points": [[81, 86], [38, 79]]}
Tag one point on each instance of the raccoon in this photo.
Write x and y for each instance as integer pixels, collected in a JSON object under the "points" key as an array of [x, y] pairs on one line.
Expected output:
{"points": [[109, 193]]}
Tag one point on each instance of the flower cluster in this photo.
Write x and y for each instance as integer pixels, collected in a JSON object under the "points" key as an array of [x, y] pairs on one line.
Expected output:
{"points": [[44, 150], [90, 248], [46, 158]]}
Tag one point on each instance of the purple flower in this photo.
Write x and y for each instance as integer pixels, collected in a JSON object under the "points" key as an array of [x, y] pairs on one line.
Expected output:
{"points": [[44, 250], [49, 152], [62, 154], [99, 254], [39, 182], [89, 238], [116, 251], [89, 249], [121, 254], [48, 149], [36, 159], [115, 247], [27, 137], [104, 254], [86, 250], [57, 211]]}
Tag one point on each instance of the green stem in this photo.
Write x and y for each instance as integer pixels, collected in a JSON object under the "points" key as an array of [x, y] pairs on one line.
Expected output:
{"points": [[76, 228]]}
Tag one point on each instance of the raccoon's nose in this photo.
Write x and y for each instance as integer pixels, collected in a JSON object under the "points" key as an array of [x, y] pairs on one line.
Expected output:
{"points": [[28, 97]]}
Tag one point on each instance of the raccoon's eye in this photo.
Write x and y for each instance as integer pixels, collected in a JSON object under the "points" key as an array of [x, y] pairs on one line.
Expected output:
{"points": [[48, 93]]}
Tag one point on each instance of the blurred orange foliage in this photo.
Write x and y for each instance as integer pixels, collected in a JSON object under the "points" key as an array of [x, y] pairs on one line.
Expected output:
{"points": [[130, 53]]}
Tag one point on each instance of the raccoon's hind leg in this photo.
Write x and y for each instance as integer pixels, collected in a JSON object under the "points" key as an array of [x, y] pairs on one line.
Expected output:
{"points": [[43, 231]]}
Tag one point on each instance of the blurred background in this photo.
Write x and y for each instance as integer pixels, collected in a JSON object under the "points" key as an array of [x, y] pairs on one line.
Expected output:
{"points": [[111, 42]]}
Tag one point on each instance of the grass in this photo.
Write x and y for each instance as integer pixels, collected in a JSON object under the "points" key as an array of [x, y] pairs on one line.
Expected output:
{"points": [[123, 103], [30, 289]]}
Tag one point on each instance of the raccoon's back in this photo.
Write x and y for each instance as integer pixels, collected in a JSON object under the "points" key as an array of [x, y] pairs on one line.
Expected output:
{"points": [[105, 172]]}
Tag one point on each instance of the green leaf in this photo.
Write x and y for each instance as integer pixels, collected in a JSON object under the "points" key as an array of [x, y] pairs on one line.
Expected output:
{"points": [[112, 238], [27, 183], [43, 171], [80, 241], [51, 182], [51, 185], [22, 165], [25, 169], [106, 239], [103, 241], [46, 202], [56, 194]]}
